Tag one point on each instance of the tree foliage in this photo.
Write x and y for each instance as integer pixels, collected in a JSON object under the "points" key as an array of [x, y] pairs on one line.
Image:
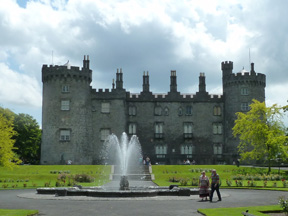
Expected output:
{"points": [[261, 133], [28, 138], [8, 158]]}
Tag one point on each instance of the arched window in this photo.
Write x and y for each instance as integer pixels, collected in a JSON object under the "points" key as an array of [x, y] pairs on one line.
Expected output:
{"points": [[187, 149], [217, 111], [217, 148], [166, 111], [180, 111]]}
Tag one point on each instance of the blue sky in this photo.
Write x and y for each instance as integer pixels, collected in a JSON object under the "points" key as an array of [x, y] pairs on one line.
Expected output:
{"points": [[153, 35]]}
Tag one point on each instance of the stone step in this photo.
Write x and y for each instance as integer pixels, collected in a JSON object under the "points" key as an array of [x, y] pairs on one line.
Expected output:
{"points": [[139, 177]]}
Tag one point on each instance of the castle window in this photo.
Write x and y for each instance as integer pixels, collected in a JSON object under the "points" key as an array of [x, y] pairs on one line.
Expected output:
{"points": [[217, 128], [166, 111], [187, 149], [159, 130], [180, 111], [188, 110], [217, 111], [188, 130], [244, 91], [217, 149], [244, 107], [104, 134], [160, 151], [65, 105], [132, 110], [65, 88], [158, 110], [105, 107], [132, 128], [64, 135]]}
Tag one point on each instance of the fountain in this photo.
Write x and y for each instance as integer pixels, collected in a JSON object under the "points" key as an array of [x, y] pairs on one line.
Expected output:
{"points": [[126, 154]]}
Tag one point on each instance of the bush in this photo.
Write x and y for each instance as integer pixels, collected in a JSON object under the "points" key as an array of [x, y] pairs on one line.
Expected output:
{"points": [[228, 182], [83, 178], [173, 179], [194, 182], [183, 182], [284, 204]]}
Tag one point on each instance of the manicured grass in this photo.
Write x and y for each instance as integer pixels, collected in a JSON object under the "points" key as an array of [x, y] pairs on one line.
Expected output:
{"points": [[18, 212], [255, 210], [186, 173], [34, 176]]}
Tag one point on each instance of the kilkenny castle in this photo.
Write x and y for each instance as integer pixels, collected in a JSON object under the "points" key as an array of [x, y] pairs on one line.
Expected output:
{"points": [[171, 127]]}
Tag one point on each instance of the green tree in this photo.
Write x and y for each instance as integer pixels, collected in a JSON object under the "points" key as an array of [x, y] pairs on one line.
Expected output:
{"points": [[261, 133], [28, 138], [8, 158]]}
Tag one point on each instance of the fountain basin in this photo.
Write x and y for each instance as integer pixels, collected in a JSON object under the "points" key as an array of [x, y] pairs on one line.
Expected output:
{"points": [[132, 192]]}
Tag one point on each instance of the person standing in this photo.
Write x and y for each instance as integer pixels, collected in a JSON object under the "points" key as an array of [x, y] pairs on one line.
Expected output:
{"points": [[215, 184], [203, 186]]}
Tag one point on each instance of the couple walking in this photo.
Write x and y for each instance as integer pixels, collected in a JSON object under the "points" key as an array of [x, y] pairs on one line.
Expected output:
{"points": [[204, 186]]}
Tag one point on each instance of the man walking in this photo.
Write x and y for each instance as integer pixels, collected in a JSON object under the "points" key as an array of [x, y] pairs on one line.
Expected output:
{"points": [[215, 184]]}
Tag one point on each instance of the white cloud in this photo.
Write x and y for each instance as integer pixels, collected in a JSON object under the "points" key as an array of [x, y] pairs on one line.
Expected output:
{"points": [[154, 35], [18, 89]]}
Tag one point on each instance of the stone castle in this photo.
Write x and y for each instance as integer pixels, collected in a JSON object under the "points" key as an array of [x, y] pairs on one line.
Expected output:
{"points": [[172, 127]]}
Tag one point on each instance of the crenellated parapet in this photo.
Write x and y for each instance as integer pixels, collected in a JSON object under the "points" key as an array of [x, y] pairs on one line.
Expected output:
{"points": [[180, 98], [246, 78], [240, 78], [57, 72]]}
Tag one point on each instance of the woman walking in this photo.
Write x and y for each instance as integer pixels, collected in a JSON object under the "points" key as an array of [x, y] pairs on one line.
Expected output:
{"points": [[203, 186]]}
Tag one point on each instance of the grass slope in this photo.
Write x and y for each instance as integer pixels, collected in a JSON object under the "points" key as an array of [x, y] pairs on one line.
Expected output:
{"points": [[37, 175], [18, 212], [254, 210]]}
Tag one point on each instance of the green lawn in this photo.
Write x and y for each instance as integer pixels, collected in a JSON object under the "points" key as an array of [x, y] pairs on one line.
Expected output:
{"points": [[18, 212], [255, 210], [165, 174], [34, 176]]}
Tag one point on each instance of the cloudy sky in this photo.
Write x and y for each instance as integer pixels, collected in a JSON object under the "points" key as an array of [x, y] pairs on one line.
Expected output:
{"points": [[188, 36]]}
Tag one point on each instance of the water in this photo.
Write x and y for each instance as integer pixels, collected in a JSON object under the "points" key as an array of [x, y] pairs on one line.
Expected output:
{"points": [[124, 152]]}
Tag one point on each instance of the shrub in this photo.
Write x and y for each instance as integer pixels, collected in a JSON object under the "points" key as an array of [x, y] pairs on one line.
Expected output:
{"points": [[173, 179], [5, 185], [239, 183], [284, 204], [183, 182], [228, 182], [47, 184], [284, 183], [194, 182], [83, 178]]}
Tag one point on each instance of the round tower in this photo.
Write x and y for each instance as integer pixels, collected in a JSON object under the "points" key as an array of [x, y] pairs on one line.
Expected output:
{"points": [[66, 114], [238, 90]]}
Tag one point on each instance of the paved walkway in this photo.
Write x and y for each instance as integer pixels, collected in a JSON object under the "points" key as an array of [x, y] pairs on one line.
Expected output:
{"points": [[167, 206]]}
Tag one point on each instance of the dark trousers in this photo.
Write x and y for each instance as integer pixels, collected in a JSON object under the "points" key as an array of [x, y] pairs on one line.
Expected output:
{"points": [[213, 188]]}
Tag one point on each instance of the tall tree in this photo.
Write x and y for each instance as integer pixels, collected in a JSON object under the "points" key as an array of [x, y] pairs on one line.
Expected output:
{"points": [[28, 138], [8, 158], [261, 133]]}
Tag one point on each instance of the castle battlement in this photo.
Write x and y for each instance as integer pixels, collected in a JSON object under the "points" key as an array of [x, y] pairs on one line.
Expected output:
{"points": [[247, 77], [65, 71]]}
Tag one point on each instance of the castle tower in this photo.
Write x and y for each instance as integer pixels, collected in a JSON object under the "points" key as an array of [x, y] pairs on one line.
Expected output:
{"points": [[66, 126], [238, 90]]}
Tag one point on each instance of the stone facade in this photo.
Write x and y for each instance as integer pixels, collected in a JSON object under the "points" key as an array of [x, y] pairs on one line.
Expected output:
{"points": [[171, 127]]}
